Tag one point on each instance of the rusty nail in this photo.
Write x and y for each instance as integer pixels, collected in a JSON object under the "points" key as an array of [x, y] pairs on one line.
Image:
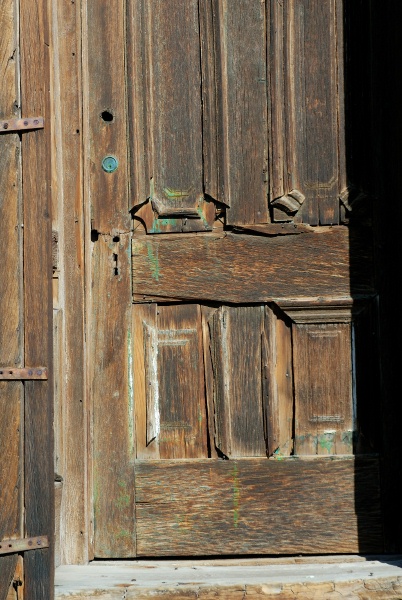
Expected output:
{"points": [[39, 542], [25, 122], [5, 126], [30, 372], [36, 121], [39, 372], [30, 543]]}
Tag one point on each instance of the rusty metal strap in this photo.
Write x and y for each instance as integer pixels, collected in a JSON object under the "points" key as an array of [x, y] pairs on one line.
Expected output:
{"points": [[32, 543], [20, 125], [11, 373]]}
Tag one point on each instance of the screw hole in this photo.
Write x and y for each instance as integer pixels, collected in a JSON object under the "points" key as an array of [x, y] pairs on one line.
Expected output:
{"points": [[107, 116]]}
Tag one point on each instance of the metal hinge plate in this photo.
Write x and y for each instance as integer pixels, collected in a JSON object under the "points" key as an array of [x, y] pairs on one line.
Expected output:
{"points": [[31, 543], [11, 373], [20, 125]]}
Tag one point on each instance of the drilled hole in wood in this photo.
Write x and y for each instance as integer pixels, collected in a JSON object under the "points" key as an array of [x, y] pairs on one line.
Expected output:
{"points": [[116, 239], [107, 116]]}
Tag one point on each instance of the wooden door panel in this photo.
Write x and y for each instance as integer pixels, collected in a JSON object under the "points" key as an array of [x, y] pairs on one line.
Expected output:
{"points": [[323, 386], [252, 506]]}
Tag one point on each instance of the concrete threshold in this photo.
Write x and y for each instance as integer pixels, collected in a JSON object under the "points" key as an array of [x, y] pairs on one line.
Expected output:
{"points": [[301, 578]]}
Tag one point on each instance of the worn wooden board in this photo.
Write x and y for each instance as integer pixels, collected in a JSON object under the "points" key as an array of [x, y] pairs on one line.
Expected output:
{"points": [[113, 424], [324, 420], [277, 378], [233, 52], [305, 48], [210, 507], [11, 326], [105, 92], [38, 455], [166, 116], [237, 384], [68, 223], [245, 268]]}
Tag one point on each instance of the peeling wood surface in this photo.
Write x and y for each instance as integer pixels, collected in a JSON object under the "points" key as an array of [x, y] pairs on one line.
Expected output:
{"points": [[335, 506], [245, 268]]}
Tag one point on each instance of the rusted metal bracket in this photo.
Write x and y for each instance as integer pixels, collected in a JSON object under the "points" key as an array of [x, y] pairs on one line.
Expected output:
{"points": [[10, 373], [31, 543], [12, 125]]}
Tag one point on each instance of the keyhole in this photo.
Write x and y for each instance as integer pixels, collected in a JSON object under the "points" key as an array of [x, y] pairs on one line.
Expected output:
{"points": [[115, 266]]}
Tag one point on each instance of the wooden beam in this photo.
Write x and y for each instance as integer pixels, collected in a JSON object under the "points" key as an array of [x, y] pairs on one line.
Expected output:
{"points": [[229, 267], [210, 507]]}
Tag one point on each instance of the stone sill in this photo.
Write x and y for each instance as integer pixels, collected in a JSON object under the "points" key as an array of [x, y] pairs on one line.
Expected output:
{"points": [[301, 578]]}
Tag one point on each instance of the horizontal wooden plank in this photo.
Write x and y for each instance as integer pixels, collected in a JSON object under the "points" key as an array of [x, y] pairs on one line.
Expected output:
{"points": [[250, 506], [229, 267]]}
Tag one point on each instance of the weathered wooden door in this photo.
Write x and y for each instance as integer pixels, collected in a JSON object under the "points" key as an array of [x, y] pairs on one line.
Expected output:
{"points": [[26, 401], [232, 398]]}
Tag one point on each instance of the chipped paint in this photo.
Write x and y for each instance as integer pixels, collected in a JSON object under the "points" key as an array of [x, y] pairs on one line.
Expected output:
{"points": [[153, 261], [236, 495]]}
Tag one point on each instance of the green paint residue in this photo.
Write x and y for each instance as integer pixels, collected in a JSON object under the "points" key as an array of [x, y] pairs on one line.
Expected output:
{"points": [[153, 261], [171, 193], [124, 499], [326, 442], [236, 495]]}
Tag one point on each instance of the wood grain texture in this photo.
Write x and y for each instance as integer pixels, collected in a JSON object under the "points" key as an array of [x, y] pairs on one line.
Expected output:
{"points": [[170, 387], [235, 341], [166, 116], [39, 488], [238, 507], [324, 422], [233, 55], [67, 192], [105, 90], [113, 443], [277, 374], [183, 427], [144, 323], [305, 49], [244, 268], [11, 325]]}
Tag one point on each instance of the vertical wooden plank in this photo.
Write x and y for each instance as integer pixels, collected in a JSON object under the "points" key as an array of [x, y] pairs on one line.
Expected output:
{"points": [[207, 313], [305, 49], [278, 383], [108, 301], [182, 405], [166, 113], [144, 321], [241, 96], [113, 419], [323, 388], [39, 487], [68, 221], [237, 365], [11, 301], [105, 94]]}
